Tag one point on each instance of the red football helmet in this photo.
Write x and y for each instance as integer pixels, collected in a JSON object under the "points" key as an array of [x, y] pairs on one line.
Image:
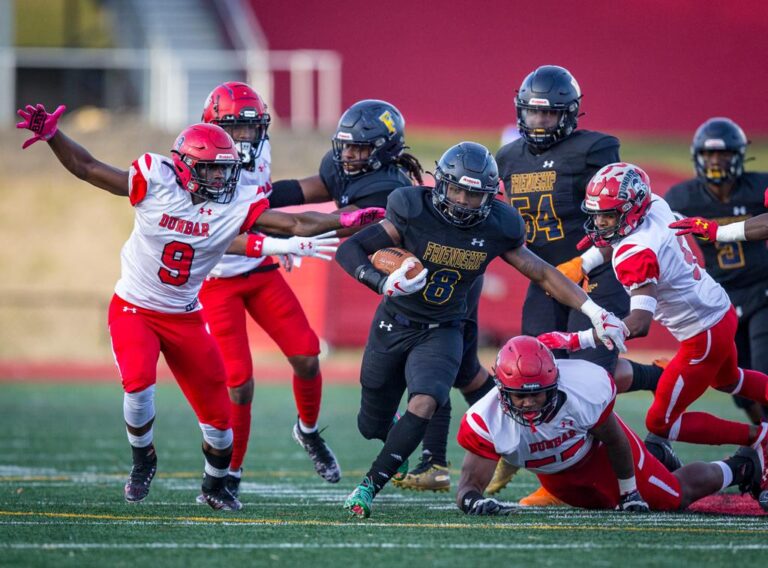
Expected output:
{"points": [[621, 188], [240, 110], [206, 162], [525, 366]]}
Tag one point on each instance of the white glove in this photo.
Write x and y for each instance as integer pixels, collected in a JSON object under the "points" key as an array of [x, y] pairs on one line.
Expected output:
{"points": [[289, 261], [610, 329], [315, 246], [397, 284]]}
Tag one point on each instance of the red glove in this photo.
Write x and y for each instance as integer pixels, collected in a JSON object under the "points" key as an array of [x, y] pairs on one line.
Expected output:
{"points": [[361, 217], [701, 228], [561, 340], [43, 124], [584, 243]]}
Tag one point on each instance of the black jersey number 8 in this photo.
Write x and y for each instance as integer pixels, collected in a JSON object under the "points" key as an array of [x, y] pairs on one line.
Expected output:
{"points": [[440, 287], [177, 259]]}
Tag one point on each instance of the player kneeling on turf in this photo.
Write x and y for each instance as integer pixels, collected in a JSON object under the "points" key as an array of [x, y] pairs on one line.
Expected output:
{"points": [[555, 418]]}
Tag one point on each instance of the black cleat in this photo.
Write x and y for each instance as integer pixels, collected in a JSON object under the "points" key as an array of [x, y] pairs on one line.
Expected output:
{"points": [[216, 495], [751, 470], [137, 487], [232, 484], [661, 449], [321, 455]]}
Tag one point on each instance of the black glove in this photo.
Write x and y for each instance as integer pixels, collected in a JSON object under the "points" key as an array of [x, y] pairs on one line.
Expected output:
{"points": [[632, 502], [475, 504]]}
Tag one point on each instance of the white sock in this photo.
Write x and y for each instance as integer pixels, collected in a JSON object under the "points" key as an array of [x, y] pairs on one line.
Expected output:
{"points": [[307, 429], [727, 474]]}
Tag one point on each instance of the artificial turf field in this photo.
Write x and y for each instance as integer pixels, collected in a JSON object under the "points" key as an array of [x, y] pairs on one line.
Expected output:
{"points": [[64, 458]]}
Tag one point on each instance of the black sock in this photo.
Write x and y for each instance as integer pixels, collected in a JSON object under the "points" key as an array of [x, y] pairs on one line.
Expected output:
{"points": [[743, 469], [401, 442], [144, 455], [475, 395], [644, 377], [435, 447]]}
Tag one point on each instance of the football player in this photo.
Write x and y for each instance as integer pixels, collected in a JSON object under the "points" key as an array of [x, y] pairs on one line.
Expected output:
{"points": [[722, 191], [238, 285], [415, 341], [665, 283], [556, 419], [545, 173], [366, 163], [188, 209]]}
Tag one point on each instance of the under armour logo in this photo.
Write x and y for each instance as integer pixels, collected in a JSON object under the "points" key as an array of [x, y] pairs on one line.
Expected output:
{"points": [[549, 164], [566, 423], [344, 200], [127, 309], [702, 224], [261, 167], [478, 242], [384, 325], [740, 210], [204, 211], [305, 245]]}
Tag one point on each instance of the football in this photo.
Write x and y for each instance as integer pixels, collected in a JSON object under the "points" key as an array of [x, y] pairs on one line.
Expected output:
{"points": [[390, 259]]}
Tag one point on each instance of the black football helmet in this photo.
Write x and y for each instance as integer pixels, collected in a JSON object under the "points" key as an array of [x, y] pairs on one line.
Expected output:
{"points": [[471, 167], [719, 134], [548, 88], [373, 123]]}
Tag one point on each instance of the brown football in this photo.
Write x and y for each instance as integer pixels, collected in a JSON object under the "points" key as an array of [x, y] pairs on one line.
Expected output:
{"points": [[390, 259]]}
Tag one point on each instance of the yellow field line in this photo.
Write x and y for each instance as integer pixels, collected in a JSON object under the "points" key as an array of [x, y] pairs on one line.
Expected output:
{"points": [[462, 526]]}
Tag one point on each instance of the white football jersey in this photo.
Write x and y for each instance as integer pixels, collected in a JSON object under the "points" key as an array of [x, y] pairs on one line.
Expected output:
{"points": [[689, 300], [554, 445], [260, 179], [175, 243]]}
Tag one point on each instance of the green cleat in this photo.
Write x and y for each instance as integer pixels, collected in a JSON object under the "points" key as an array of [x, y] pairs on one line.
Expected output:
{"points": [[360, 500], [401, 472]]}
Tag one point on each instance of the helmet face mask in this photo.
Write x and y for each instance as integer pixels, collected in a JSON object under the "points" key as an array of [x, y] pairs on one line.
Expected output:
{"points": [[547, 105], [369, 136], [617, 199], [524, 370], [240, 110], [206, 163], [466, 182], [718, 150]]}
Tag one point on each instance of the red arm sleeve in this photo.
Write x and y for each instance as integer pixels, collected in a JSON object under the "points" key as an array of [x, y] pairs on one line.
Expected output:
{"points": [[137, 179], [255, 211], [636, 266], [473, 442]]}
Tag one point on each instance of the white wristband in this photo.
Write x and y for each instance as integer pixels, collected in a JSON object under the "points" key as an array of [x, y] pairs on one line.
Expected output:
{"points": [[590, 309], [586, 339], [732, 232], [272, 245], [641, 302], [591, 260], [627, 485]]}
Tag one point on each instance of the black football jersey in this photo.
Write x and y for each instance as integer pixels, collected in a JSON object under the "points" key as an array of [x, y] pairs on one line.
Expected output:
{"points": [[367, 190], [548, 188], [734, 265], [455, 257]]}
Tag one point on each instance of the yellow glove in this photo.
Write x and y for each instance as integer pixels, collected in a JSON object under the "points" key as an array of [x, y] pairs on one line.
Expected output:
{"points": [[572, 270]]}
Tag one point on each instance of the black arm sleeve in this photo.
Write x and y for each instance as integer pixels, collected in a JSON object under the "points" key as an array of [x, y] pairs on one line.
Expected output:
{"points": [[286, 192], [353, 253]]}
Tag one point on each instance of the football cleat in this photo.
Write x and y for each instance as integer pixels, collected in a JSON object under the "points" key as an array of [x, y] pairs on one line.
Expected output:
{"points": [[137, 487], [427, 476], [752, 470], [501, 477], [360, 501], [232, 485], [216, 495], [761, 448], [661, 449], [401, 472], [321, 455], [541, 498]]}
